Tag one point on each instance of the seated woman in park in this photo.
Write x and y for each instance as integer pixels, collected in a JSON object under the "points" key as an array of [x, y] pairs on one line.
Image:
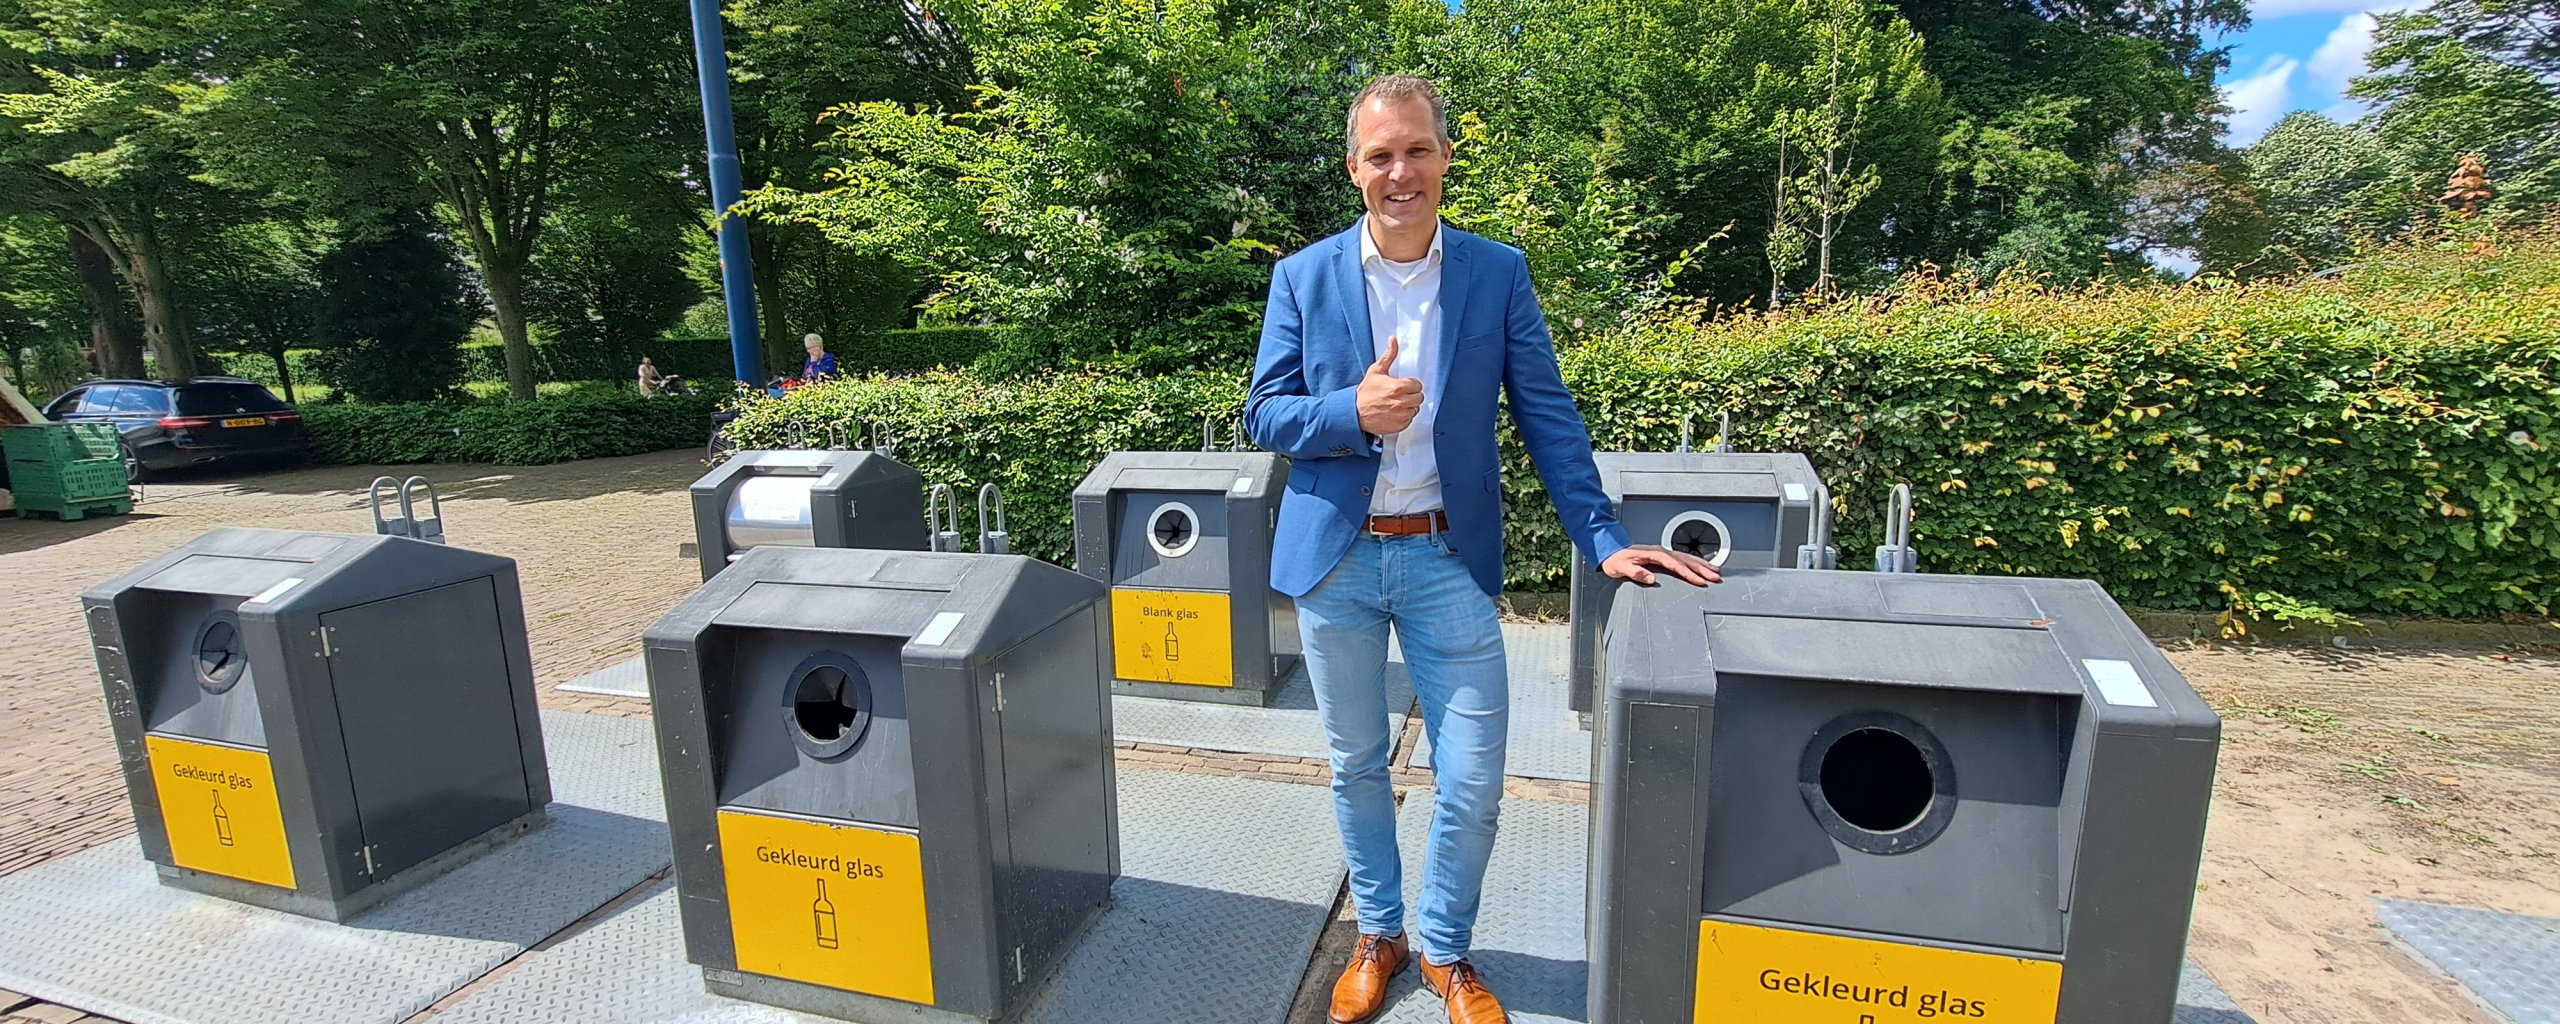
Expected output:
{"points": [[821, 364]]}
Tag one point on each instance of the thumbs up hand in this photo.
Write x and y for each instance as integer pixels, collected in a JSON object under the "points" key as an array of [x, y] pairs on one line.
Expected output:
{"points": [[1387, 404]]}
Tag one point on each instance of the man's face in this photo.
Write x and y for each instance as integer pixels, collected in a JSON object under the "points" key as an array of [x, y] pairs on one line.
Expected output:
{"points": [[1398, 163]]}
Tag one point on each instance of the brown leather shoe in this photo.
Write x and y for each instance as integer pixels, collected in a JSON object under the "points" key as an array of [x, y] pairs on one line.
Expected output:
{"points": [[1463, 989], [1362, 990]]}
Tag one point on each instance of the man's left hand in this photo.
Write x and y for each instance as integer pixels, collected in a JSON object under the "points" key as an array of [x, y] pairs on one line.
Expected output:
{"points": [[1638, 563]]}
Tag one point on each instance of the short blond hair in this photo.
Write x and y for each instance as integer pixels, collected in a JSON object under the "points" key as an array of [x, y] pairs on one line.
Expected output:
{"points": [[1395, 89]]}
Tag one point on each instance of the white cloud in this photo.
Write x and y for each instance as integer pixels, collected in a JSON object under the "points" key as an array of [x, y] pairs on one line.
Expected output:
{"points": [[2259, 100], [2341, 56]]}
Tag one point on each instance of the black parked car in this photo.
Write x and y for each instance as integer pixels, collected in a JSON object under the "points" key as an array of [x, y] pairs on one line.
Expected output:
{"points": [[170, 425]]}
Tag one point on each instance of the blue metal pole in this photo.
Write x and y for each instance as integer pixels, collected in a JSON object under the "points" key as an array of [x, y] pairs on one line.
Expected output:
{"points": [[737, 268]]}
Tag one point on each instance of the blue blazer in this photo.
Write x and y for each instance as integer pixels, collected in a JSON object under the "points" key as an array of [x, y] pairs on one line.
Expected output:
{"points": [[1316, 345]]}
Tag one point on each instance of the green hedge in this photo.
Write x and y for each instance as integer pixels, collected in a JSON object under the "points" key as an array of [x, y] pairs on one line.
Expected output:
{"points": [[2283, 450], [560, 429], [703, 360]]}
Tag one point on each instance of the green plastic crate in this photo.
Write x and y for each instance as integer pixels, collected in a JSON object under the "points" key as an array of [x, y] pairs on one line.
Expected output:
{"points": [[87, 481], [59, 442]]}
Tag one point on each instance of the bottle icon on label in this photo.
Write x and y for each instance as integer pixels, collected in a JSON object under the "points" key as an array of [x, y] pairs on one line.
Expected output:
{"points": [[221, 820], [825, 913], [1170, 652]]}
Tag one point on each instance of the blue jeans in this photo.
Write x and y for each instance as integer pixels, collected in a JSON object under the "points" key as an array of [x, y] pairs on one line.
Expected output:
{"points": [[1453, 645]]}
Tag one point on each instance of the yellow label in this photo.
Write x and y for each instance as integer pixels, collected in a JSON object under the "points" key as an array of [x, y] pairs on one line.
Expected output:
{"points": [[829, 904], [1779, 976], [218, 805], [1172, 636]]}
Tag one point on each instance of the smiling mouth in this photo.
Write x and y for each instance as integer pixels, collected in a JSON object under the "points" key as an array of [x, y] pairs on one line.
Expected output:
{"points": [[1403, 197]]}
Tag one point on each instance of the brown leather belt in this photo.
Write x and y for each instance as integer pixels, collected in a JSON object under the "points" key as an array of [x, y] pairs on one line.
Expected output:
{"points": [[1409, 525]]}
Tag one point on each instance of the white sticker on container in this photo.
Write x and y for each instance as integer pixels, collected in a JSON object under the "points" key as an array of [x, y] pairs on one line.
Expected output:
{"points": [[1796, 492], [1243, 484], [271, 593], [938, 631], [2118, 683]]}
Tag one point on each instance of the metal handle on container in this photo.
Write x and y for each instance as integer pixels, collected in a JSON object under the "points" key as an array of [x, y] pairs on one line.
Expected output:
{"points": [[430, 528], [995, 541], [1724, 431], [880, 439], [1684, 435], [1897, 554], [1238, 444], [1817, 553], [942, 517], [395, 527]]}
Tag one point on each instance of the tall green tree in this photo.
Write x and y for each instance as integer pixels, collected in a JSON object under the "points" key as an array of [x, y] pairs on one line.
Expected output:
{"points": [[790, 62], [253, 290], [1864, 71], [610, 280], [2328, 190], [85, 139], [491, 107], [1115, 176], [2466, 76], [2062, 112], [391, 312], [1679, 102]]}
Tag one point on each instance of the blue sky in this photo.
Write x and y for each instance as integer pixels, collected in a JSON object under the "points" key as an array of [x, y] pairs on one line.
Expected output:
{"points": [[2298, 55]]}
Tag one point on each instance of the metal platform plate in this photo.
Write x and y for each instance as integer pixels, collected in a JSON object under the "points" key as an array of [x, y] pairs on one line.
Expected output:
{"points": [[1289, 727], [1547, 738], [2509, 962], [1225, 884], [97, 931], [621, 679], [1528, 939]]}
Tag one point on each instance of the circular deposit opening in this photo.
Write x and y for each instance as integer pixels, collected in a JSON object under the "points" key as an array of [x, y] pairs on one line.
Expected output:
{"points": [[828, 705], [1878, 782]]}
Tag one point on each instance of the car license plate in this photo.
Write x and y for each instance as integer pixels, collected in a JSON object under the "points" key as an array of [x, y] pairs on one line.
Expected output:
{"points": [[246, 421]]}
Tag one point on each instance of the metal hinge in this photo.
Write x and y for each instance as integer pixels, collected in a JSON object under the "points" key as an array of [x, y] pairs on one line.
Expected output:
{"points": [[999, 692], [1017, 965], [326, 649], [368, 860]]}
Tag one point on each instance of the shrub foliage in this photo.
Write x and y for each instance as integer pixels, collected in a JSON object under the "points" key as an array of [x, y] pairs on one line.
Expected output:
{"points": [[2375, 445], [579, 426]]}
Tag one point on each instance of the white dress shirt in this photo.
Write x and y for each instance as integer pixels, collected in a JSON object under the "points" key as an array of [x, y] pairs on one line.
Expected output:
{"points": [[1404, 303]]}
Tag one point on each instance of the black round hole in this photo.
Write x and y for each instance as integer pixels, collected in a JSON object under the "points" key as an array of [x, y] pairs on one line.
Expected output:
{"points": [[1172, 528], [1697, 537], [1877, 779], [824, 704], [220, 658]]}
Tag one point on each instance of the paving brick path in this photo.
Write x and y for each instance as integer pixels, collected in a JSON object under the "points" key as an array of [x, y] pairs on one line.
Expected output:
{"points": [[594, 542]]}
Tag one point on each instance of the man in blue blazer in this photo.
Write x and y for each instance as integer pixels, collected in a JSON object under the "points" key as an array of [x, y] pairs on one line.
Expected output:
{"points": [[1384, 349]]}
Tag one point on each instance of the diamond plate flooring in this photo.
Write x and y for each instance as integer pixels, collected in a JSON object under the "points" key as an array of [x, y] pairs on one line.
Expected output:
{"points": [[2509, 962], [97, 931], [1547, 740], [1289, 727], [621, 679], [1528, 937], [1225, 885]]}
